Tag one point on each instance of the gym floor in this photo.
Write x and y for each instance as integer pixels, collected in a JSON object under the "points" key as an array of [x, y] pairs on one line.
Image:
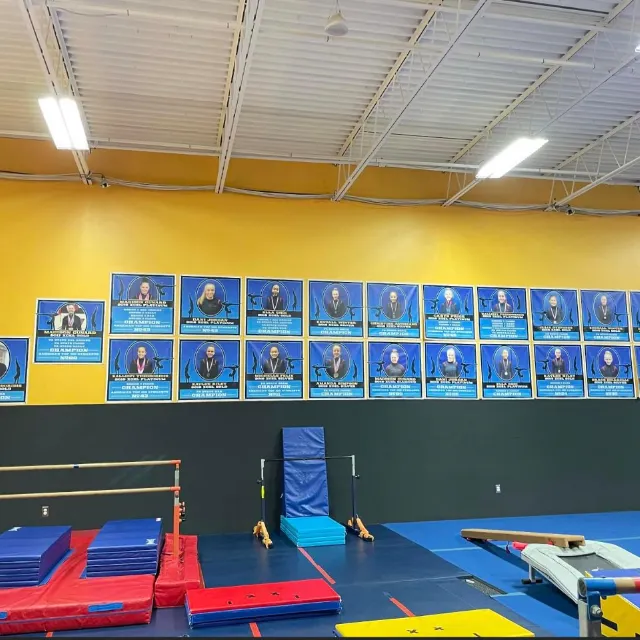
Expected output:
{"points": [[415, 568]]}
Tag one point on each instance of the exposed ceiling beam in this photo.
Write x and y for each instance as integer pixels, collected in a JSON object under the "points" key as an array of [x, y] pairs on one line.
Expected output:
{"points": [[395, 69], [605, 178], [57, 71], [232, 65], [247, 45], [478, 10], [621, 6], [615, 71], [598, 141]]}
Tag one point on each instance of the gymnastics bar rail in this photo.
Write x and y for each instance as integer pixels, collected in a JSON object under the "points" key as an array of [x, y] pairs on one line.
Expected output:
{"points": [[178, 507], [590, 591]]}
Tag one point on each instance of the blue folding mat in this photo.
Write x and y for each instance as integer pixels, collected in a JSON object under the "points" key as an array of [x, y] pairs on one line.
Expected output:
{"points": [[126, 547], [28, 554], [306, 520]]}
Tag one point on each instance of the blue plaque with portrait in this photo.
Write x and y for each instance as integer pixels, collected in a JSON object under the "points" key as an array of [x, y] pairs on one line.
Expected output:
{"points": [[140, 370], [451, 370], [503, 313], [273, 370], [209, 370], [274, 307], [14, 363], [605, 316], [559, 371], [209, 305], [336, 369], [506, 371], [394, 370], [635, 314], [448, 312], [335, 308], [609, 371], [392, 310], [142, 303], [555, 315], [69, 331]]}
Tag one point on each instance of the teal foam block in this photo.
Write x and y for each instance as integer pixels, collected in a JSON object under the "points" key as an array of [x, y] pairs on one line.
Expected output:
{"points": [[313, 531]]}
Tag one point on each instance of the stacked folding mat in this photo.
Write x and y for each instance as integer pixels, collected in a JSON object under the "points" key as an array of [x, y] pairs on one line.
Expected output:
{"points": [[260, 602], [29, 554], [306, 520], [126, 547]]}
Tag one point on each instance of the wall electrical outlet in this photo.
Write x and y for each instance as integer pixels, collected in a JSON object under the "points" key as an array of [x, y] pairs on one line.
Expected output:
{"points": [[45, 512], [497, 488]]}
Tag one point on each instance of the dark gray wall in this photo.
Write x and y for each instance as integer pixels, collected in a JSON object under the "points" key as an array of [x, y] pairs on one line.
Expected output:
{"points": [[419, 460]]}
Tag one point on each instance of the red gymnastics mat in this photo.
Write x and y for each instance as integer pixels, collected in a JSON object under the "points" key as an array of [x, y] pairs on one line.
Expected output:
{"points": [[176, 578], [256, 602], [68, 601]]}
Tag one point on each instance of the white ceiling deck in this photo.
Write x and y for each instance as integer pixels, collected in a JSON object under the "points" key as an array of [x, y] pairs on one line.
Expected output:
{"points": [[432, 84]]}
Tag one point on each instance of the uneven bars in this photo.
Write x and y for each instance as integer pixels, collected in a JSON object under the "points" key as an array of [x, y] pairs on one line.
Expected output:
{"points": [[97, 492], [91, 465]]}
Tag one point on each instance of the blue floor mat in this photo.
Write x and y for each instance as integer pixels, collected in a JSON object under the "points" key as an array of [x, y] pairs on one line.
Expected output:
{"points": [[445, 534], [558, 623]]}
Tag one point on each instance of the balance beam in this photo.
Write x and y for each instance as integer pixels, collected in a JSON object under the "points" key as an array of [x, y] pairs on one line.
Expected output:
{"points": [[563, 540]]}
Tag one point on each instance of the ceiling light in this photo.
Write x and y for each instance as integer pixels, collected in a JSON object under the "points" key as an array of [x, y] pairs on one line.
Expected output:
{"points": [[510, 157], [638, 48], [65, 125], [336, 25]]}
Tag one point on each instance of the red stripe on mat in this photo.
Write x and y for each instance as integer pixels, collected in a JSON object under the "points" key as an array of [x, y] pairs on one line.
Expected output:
{"points": [[49, 634], [324, 574], [407, 612], [255, 631]]}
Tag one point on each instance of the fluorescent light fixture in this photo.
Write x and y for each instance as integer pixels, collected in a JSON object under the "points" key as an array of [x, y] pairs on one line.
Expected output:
{"points": [[638, 48], [65, 125], [510, 157]]}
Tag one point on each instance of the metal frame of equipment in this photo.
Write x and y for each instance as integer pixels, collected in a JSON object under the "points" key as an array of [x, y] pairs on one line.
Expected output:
{"points": [[590, 593], [179, 508], [354, 524]]}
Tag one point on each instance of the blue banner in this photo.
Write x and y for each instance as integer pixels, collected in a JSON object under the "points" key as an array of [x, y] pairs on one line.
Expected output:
{"points": [[69, 331], [394, 370], [336, 309], [503, 313], [451, 370], [209, 305], [273, 370], [140, 370], [506, 371], [635, 314], [142, 303], [609, 371], [14, 362], [555, 314], [274, 307], [604, 316], [336, 370], [392, 310], [559, 371], [209, 370], [448, 312]]}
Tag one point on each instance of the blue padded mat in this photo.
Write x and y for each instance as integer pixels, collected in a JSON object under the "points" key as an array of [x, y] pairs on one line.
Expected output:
{"points": [[40, 547], [557, 623], [261, 613], [306, 492], [127, 535]]}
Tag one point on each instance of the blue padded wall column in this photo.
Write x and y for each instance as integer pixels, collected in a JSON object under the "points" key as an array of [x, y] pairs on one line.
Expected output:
{"points": [[306, 491]]}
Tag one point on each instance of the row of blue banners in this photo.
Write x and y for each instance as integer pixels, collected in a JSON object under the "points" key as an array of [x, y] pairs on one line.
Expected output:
{"points": [[143, 369]]}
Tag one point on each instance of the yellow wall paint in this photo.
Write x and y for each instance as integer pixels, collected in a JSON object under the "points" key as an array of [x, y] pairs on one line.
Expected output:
{"points": [[40, 156], [64, 240]]}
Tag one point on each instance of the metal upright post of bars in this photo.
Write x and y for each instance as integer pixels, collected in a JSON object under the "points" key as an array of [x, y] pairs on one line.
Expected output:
{"points": [[175, 489], [590, 591]]}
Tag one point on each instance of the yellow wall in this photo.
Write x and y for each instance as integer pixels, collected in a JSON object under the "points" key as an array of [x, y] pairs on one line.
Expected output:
{"points": [[64, 240]]}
